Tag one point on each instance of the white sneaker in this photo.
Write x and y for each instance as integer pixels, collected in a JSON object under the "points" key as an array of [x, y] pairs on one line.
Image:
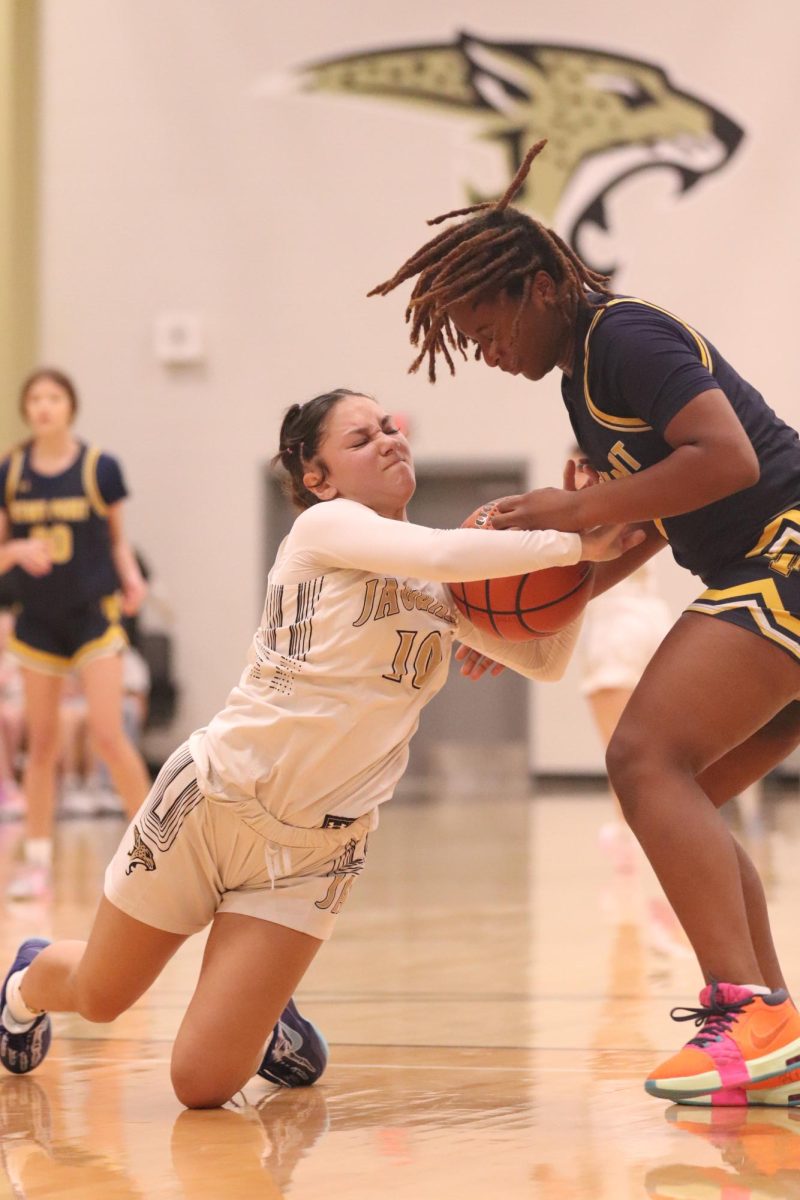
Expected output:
{"points": [[29, 882], [78, 800], [108, 803]]}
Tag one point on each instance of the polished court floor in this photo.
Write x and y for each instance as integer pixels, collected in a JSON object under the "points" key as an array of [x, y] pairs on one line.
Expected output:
{"points": [[494, 996]]}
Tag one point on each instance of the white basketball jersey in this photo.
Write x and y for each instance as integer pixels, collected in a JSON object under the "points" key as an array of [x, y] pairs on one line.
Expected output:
{"points": [[355, 638]]}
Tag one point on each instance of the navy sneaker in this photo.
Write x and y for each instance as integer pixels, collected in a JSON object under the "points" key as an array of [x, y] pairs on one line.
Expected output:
{"points": [[21, 1052], [297, 1053]]}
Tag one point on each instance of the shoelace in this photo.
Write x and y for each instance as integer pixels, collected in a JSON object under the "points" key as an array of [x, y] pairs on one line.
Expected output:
{"points": [[716, 1017]]}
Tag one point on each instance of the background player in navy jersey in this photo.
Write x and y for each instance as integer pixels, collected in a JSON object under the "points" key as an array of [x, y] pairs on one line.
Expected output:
{"points": [[258, 825], [61, 531], [689, 447]]}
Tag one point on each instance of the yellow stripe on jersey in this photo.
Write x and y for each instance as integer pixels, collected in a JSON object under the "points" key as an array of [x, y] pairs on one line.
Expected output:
{"points": [[774, 533], [631, 424], [90, 485], [14, 473]]}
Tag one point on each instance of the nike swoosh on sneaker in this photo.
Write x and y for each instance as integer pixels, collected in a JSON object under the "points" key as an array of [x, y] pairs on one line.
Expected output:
{"points": [[762, 1041]]}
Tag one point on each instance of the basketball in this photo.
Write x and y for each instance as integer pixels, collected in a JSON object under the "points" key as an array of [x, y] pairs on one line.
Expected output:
{"points": [[520, 608]]}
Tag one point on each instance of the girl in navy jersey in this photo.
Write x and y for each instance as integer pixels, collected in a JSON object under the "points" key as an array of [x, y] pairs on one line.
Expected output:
{"points": [[61, 532], [259, 824], [688, 447]]}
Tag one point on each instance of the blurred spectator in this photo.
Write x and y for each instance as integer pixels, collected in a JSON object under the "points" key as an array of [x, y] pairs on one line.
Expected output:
{"points": [[86, 787], [11, 724]]}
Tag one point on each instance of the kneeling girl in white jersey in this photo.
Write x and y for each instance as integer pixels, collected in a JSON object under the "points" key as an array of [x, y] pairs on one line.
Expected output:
{"points": [[258, 825]]}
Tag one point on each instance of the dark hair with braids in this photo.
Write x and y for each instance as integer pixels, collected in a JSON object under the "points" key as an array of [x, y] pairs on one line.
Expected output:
{"points": [[52, 375], [498, 249], [301, 433]]}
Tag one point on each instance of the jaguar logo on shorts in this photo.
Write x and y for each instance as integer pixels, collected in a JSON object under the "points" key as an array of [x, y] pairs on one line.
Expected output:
{"points": [[344, 870], [141, 855]]}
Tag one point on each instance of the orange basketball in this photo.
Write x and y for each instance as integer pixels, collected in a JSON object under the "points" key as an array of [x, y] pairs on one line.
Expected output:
{"points": [[520, 608]]}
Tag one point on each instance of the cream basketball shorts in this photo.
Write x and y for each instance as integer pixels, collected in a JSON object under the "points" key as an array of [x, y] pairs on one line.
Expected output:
{"points": [[187, 856], [620, 635]]}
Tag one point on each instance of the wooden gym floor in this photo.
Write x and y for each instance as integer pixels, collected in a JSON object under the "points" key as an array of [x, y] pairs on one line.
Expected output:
{"points": [[494, 996]]}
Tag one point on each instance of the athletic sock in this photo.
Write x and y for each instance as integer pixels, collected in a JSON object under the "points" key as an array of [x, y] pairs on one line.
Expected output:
{"points": [[17, 1017], [38, 851], [756, 988]]}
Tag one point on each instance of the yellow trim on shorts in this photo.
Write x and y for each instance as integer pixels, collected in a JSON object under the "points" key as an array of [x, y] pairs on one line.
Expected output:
{"points": [[90, 485], [38, 660], [631, 424], [744, 595], [113, 640]]}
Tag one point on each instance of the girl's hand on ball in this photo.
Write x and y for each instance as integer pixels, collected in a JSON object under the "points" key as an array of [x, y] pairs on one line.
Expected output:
{"points": [[475, 664], [546, 508], [610, 541]]}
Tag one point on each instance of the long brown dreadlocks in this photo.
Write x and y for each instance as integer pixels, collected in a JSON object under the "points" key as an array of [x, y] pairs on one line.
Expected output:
{"points": [[499, 249]]}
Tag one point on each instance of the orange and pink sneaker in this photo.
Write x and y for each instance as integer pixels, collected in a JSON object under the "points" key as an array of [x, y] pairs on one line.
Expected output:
{"points": [[781, 1092], [760, 1151], [745, 1039]]}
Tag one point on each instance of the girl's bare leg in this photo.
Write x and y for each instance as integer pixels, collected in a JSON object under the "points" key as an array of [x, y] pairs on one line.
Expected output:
{"points": [[102, 686], [710, 687], [729, 777], [250, 969], [103, 977], [42, 700]]}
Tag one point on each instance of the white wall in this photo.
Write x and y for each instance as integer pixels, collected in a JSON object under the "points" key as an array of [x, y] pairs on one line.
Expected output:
{"points": [[180, 171]]}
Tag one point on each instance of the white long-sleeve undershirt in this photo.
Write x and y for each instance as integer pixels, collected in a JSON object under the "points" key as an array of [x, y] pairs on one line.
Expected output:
{"points": [[343, 533], [354, 641], [545, 659]]}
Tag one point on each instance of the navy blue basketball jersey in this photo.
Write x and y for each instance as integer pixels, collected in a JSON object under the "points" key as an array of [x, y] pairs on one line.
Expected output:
{"points": [[70, 511], [636, 367]]}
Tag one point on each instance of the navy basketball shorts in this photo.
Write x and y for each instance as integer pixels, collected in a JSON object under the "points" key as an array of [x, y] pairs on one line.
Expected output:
{"points": [[59, 643], [761, 592]]}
